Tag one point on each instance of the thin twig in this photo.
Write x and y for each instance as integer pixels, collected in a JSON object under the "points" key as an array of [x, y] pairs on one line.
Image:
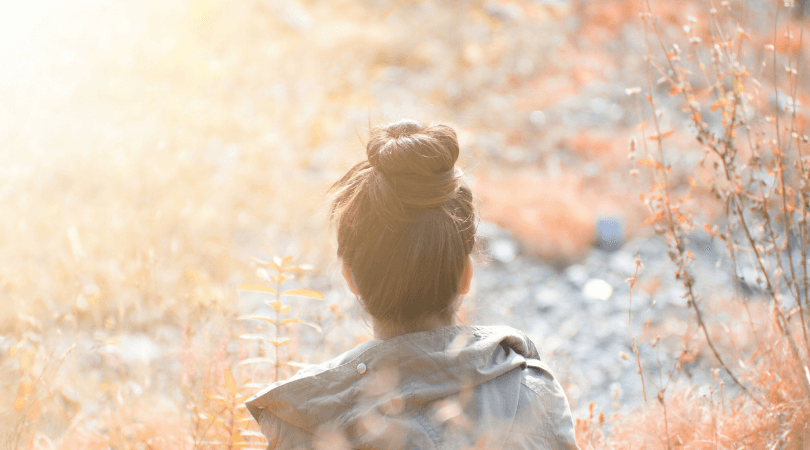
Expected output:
{"points": [[635, 348], [683, 272]]}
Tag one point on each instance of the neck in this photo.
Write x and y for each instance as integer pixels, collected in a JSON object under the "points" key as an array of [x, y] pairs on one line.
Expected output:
{"points": [[386, 330]]}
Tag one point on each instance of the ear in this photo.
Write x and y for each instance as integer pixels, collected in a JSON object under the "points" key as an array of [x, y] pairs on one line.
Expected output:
{"points": [[347, 275], [466, 278]]}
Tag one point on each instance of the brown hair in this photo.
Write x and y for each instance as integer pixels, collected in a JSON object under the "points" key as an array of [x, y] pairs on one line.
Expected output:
{"points": [[406, 222]]}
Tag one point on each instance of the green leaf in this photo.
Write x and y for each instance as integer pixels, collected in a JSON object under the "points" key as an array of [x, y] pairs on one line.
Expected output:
{"points": [[285, 321], [309, 293], [266, 319], [253, 287]]}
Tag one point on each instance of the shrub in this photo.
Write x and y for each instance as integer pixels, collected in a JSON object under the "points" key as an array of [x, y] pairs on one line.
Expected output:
{"points": [[741, 105]]}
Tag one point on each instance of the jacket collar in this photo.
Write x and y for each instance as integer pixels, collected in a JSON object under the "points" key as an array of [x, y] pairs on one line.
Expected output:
{"points": [[416, 368]]}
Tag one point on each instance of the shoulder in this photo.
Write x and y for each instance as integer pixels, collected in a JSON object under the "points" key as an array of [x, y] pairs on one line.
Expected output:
{"points": [[543, 418], [281, 435]]}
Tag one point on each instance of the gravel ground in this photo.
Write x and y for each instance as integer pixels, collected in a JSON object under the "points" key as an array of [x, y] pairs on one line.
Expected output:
{"points": [[578, 317]]}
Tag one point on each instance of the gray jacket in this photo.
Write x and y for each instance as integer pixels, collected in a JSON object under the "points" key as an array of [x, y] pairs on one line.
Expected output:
{"points": [[454, 387]]}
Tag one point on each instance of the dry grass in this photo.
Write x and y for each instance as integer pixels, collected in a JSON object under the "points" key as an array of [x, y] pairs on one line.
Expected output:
{"points": [[151, 148], [757, 347]]}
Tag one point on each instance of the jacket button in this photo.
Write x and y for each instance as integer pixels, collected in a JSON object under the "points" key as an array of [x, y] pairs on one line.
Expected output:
{"points": [[361, 368]]}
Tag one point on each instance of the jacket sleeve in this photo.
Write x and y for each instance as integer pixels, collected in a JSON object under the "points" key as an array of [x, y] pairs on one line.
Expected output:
{"points": [[282, 436], [543, 419]]}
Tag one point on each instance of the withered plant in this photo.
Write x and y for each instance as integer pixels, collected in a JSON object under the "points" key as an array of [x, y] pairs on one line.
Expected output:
{"points": [[283, 271], [31, 391], [243, 430], [740, 98]]}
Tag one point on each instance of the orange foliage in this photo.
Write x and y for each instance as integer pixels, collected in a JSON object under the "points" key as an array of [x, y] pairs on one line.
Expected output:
{"points": [[554, 217], [145, 423], [551, 217], [715, 418]]}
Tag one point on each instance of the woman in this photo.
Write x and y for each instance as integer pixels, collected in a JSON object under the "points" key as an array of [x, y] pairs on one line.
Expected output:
{"points": [[405, 231]]}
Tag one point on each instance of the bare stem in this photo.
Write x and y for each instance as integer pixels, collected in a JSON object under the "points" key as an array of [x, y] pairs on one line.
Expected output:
{"points": [[683, 270], [635, 348]]}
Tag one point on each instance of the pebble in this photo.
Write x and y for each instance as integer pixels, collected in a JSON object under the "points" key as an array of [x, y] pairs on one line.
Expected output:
{"points": [[546, 297], [509, 12], [538, 119], [623, 263], [137, 348], [609, 234], [597, 289], [577, 274], [503, 250]]}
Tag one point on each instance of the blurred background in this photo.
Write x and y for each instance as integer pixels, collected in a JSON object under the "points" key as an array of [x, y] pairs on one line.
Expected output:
{"points": [[150, 148]]}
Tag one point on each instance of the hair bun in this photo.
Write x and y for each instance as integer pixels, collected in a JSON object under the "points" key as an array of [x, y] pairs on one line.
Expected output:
{"points": [[406, 224], [418, 161]]}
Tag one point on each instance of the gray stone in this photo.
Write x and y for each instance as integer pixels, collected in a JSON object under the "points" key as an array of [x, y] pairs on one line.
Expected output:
{"points": [[509, 12], [138, 348], [609, 234], [547, 297], [503, 250], [292, 14], [597, 289], [577, 274], [623, 262], [537, 119]]}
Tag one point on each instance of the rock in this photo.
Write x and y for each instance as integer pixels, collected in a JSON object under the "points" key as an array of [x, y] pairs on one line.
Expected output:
{"points": [[623, 263], [292, 14], [537, 119], [509, 12], [503, 250], [576, 274], [491, 143], [783, 102], [747, 279], [675, 295], [609, 234], [597, 289], [607, 109], [699, 240], [498, 242], [546, 298], [138, 348]]}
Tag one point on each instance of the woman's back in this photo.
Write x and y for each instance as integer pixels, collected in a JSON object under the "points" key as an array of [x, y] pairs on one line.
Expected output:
{"points": [[453, 387], [405, 231]]}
